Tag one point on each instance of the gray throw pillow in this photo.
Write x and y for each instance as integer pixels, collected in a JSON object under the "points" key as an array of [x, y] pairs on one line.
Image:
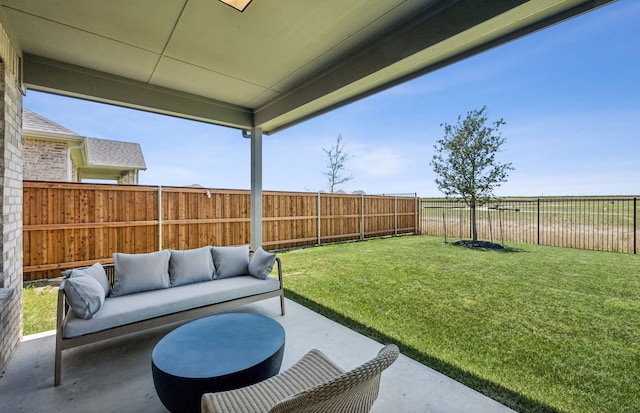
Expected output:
{"points": [[95, 271], [140, 272], [261, 263], [84, 294], [230, 261], [190, 266]]}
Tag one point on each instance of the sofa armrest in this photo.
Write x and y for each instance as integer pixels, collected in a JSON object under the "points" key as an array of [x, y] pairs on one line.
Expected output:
{"points": [[280, 280], [61, 313], [279, 271], [61, 310], [281, 285]]}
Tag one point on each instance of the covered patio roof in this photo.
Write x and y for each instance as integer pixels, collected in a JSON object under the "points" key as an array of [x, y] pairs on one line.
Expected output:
{"points": [[269, 67]]}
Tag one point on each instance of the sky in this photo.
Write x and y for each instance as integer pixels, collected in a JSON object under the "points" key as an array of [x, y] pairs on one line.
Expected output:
{"points": [[569, 94]]}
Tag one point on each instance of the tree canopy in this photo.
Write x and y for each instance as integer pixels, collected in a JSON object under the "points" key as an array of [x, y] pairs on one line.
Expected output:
{"points": [[465, 160]]}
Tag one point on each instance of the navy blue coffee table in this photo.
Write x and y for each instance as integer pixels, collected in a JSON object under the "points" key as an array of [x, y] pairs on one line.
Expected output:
{"points": [[216, 353]]}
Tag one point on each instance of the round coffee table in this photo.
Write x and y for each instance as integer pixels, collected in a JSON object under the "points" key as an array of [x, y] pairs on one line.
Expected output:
{"points": [[216, 353]]}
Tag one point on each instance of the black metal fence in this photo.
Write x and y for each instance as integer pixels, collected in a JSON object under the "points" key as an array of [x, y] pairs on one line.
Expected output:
{"points": [[597, 223]]}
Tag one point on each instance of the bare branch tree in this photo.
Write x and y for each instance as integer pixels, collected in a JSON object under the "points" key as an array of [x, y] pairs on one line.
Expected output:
{"points": [[336, 157]]}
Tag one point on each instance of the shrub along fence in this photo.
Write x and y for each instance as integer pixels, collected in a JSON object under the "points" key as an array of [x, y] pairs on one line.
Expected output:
{"points": [[67, 225], [596, 223]]}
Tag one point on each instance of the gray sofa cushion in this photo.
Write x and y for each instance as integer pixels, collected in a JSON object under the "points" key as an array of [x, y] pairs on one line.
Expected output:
{"points": [[84, 294], [261, 263], [95, 271], [117, 311], [230, 261], [190, 266], [140, 272]]}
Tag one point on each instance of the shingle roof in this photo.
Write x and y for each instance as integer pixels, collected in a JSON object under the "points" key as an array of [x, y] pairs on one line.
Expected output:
{"points": [[104, 152], [99, 152], [34, 122]]}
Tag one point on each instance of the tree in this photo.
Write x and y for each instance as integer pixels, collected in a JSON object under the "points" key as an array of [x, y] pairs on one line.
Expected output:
{"points": [[465, 161], [337, 157]]}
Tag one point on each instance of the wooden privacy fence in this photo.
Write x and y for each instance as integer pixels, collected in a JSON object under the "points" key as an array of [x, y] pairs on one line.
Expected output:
{"points": [[72, 224], [595, 223]]}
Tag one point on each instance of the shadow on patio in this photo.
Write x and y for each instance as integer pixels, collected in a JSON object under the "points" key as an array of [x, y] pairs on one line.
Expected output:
{"points": [[115, 375]]}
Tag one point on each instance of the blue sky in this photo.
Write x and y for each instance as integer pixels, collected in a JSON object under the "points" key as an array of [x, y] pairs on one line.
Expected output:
{"points": [[570, 96]]}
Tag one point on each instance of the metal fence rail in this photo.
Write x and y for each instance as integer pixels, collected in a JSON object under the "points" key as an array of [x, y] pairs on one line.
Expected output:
{"points": [[596, 223]]}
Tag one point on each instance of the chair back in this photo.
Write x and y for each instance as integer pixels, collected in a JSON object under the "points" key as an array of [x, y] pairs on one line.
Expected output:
{"points": [[352, 392]]}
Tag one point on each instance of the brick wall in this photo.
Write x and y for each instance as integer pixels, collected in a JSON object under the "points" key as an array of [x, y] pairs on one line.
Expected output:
{"points": [[45, 160], [129, 178], [11, 224]]}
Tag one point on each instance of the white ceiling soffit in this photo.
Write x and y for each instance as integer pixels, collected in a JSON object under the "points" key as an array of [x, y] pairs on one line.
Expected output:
{"points": [[271, 66]]}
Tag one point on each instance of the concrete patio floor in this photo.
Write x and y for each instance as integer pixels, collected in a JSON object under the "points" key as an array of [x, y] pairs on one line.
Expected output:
{"points": [[115, 375]]}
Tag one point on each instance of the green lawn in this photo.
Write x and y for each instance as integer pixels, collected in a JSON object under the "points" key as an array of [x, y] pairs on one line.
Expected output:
{"points": [[536, 328], [39, 310]]}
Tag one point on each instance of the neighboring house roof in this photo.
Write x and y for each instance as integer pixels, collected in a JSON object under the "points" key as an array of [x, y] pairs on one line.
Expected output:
{"points": [[104, 152], [94, 158], [32, 122]]}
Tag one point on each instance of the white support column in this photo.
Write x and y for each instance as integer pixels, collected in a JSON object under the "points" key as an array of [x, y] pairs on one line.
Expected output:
{"points": [[159, 217], [256, 186]]}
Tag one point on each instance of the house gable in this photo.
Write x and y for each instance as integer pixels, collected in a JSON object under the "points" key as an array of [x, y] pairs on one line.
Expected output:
{"points": [[55, 153]]}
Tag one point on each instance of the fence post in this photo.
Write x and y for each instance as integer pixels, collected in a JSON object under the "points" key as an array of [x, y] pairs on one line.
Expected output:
{"points": [[319, 241], [501, 229], [418, 215], [444, 224], [159, 217], [635, 225], [361, 216], [461, 224], [471, 215], [395, 216], [538, 221], [490, 228]]}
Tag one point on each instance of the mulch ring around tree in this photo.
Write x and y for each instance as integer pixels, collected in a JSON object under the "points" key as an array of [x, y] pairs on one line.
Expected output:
{"points": [[479, 244]]}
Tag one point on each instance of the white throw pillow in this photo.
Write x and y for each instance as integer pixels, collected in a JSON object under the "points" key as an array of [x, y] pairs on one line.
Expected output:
{"points": [[261, 263], [140, 272], [230, 261], [190, 266], [84, 294]]}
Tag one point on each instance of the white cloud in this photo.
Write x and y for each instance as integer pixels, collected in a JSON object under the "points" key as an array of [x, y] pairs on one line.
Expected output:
{"points": [[378, 162]]}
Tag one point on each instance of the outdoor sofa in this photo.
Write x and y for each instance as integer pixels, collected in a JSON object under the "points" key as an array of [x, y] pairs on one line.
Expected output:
{"points": [[141, 291]]}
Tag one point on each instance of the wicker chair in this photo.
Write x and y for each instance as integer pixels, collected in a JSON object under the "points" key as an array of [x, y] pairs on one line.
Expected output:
{"points": [[313, 384]]}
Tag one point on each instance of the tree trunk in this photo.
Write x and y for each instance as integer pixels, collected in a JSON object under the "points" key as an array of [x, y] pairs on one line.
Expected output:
{"points": [[474, 228]]}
